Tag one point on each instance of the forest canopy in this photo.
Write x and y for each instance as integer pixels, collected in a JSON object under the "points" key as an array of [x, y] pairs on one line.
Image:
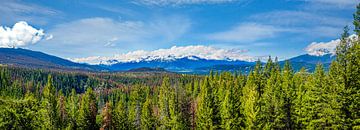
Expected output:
{"points": [[269, 97]]}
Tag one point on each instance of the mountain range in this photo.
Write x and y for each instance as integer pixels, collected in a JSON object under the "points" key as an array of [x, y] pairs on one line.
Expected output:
{"points": [[190, 64]]}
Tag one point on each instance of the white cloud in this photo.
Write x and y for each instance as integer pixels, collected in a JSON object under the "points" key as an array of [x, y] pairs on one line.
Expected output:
{"points": [[246, 32], [204, 52], [182, 2], [338, 3], [21, 34], [16, 10], [310, 24], [293, 18], [104, 36], [323, 48]]}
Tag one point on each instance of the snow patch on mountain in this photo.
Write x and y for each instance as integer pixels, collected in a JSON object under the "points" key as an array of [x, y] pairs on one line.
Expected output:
{"points": [[324, 48], [173, 53]]}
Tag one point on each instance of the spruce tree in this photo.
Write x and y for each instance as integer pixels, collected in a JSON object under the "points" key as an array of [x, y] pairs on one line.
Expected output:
{"points": [[120, 119], [88, 111], [288, 94], [226, 112], [147, 119], [134, 108], [49, 105], [107, 117], [204, 112], [73, 110], [164, 112], [250, 103], [62, 112], [175, 121]]}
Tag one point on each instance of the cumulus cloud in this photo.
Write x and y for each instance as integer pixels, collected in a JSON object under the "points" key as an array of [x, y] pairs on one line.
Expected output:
{"points": [[323, 48], [246, 32], [182, 2], [21, 34], [175, 52]]}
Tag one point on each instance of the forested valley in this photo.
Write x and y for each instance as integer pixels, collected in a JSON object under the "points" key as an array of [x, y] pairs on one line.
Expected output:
{"points": [[269, 97]]}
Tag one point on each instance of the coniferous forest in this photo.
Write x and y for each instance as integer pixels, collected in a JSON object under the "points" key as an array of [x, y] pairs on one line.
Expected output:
{"points": [[269, 97]]}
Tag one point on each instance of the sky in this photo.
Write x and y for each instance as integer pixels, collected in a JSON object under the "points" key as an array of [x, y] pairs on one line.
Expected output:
{"points": [[83, 29]]}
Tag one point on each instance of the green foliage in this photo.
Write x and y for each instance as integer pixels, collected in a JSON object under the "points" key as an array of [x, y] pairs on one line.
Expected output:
{"points": [[147, 116], [88, 111], [204, 113], [120, 119], [20, 114], [269, 97]]}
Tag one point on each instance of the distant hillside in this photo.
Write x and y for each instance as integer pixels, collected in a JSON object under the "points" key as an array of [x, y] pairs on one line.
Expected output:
{"points": [[147, 69], [33, 59], [309, 61], [190, 65]]}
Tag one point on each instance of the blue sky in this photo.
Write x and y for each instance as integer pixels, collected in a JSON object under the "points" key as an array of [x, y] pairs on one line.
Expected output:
{"points": [[83, 28]]}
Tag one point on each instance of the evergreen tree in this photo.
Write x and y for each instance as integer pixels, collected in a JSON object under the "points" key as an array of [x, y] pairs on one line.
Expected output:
{"points": [[226, 112], [120, 119], [164, 104], [270, 100], [88, 111], [147, 119], [250, 103], [72, 110], [300, 104], [348, 58], [288, 94], [107, 117], [174, 111], [204, 113], [49, 105], [61, 108], [134, 108], [356, 21]]}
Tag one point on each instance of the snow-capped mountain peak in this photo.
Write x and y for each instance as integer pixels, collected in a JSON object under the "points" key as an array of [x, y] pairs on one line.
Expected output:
{"points": [[173, 53]]}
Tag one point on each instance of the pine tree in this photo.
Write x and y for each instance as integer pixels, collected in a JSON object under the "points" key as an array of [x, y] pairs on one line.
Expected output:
{"points": [[250, 103], [164, 104], [348, 58], [300, 79], [72, 110], [147, 119], [174, 111], [61, 108], [120, 119], [226, 112], [107, 117], [270, 100], [288, 90], [88, 111], [356, 21], [49, 105], [204, 113], [134, 106]]}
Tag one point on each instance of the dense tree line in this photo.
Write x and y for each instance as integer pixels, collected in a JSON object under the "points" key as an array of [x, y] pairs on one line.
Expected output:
{"points": [[269, 97]]}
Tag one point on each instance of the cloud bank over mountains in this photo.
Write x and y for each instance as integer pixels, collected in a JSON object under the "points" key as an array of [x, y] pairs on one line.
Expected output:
{"points": [[21, 34], [323, 48], [175, 52], [194, 52]]}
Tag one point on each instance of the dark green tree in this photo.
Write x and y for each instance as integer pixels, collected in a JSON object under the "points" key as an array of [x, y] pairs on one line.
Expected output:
{"points": [[88, 111]]}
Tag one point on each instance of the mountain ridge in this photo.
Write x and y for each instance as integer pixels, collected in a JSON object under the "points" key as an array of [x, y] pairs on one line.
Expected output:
{"points": [[189, 64], [35, 59]]}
